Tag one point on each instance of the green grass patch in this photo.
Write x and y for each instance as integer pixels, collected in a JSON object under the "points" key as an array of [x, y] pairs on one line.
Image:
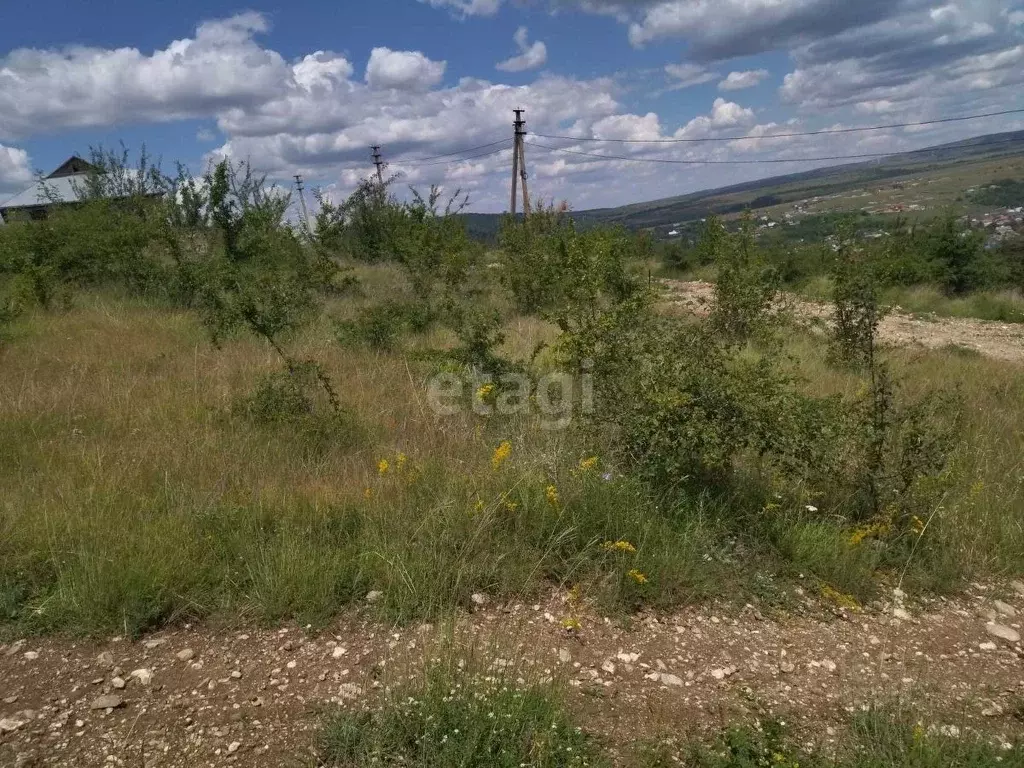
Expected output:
{"points": [[880, 738], [453, 717]]}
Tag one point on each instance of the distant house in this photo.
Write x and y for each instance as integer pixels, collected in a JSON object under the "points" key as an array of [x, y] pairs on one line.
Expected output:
{"points": [[59, 188]]}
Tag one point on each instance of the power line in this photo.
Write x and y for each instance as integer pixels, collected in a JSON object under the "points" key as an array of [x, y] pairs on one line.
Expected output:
{"points": [[822, 132], [668, 161], [459, 159], [419, 160]]}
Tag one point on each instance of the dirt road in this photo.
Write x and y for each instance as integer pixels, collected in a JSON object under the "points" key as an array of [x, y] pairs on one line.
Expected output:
{"points": [[254, 697], [1002, 341]]}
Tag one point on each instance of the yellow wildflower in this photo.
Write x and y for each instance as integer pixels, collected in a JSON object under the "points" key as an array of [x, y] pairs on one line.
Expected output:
{"points": [[918, 524], [502, 452], [842, 600], [383, 466], [400, 460], [620, 546], [551, 494], [571, 624], [637, 576], [484, 391], [588, 464], [574, 594]]}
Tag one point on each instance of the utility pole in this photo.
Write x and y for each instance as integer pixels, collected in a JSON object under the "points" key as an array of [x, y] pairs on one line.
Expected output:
{"points": [[377, 161], [519, 163], [302, 202]]}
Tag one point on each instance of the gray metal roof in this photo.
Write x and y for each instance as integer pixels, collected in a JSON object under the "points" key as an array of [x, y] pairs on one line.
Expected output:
{"points": [[62, 187]]}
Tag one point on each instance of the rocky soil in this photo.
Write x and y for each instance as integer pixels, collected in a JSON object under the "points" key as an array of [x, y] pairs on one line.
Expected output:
{"points": [[1002, 341], [201, 696]]}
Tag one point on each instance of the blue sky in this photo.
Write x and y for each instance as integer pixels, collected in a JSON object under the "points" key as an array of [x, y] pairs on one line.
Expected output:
{"points": [[305, 87]]}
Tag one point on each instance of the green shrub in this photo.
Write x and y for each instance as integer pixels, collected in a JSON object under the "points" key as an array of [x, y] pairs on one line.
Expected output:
{"points": [[745, 285], [455, 717]]}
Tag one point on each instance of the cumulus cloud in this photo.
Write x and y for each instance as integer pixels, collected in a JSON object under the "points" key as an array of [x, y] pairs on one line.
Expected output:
{"points": [[629, 127], [14, 171], [530, 56], [467, 7], [721, 29], [403, 70], [688, 75], [724, 114], [924, 54], [221, 67], [737, 81]]}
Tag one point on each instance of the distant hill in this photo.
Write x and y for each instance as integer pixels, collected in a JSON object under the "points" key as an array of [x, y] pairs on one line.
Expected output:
{"points": [[778, 190]]}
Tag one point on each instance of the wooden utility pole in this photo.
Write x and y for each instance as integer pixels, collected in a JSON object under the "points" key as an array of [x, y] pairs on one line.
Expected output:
{"points": [[302, 202], [519, 163], [377, 161]]}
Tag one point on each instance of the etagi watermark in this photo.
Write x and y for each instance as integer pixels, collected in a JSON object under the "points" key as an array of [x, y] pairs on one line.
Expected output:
{"points": [[555, 396]]}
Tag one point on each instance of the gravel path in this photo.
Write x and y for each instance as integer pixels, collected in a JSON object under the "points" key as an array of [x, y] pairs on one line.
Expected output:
{"points": [[202, 696], [1001, 341]]}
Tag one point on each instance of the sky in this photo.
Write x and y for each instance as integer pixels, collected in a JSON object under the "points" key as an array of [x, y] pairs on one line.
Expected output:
{"points": [[306, 87]]}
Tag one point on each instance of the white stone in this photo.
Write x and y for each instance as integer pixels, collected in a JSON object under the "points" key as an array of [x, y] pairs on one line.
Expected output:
{"points": [[1003, 632], [479, 598], [144, 676], [901, 613], [117, 682], [724, 672], [185, 654], [1005, 609], [564, 656], [338, 652], [31, 655], [374, 595], [233, 747], [108, 701], [668, 679]]}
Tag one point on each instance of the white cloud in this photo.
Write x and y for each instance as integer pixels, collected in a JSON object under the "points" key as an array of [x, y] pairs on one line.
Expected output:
{"points": [[222, 66], [323, 70], [467, 7], [720, 29], [631, 127], [688, 75], [403, 70], [724, 114], [530, 56], [15, 173], [737, 81]]}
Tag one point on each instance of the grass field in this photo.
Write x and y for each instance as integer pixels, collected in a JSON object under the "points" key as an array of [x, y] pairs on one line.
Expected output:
{"points": [[137, 492]]}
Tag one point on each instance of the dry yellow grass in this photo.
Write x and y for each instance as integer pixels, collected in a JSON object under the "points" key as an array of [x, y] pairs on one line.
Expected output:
{"points": [[133, 494]]}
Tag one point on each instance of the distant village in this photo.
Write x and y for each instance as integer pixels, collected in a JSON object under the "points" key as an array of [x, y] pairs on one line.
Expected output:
{"points": [[1001, 223]]}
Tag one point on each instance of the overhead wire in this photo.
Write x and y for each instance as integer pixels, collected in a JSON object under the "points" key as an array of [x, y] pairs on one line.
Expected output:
{"points": [[455, 155], [822, 132], [672, 161]]}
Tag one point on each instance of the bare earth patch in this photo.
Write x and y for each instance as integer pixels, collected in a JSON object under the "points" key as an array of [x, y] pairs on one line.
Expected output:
{"points": [[1001, 341], [254, 697]]}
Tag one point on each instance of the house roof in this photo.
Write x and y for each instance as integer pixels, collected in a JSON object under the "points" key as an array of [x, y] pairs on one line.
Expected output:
{"points": [[63, 188], [72, 166], [60, 185]]}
